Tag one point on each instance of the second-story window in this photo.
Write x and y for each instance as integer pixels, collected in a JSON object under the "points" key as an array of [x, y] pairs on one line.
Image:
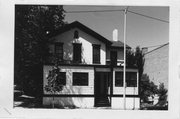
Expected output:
{"points": [[96, 53], [59, 51], [113, 56], [77, 52]]}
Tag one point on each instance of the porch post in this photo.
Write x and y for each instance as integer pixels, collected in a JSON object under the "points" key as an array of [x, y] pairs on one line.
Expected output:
{"points": [[111, 84]]}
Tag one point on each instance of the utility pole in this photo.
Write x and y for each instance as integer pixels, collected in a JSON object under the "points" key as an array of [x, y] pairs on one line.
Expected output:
{"points": [[124, 70]]}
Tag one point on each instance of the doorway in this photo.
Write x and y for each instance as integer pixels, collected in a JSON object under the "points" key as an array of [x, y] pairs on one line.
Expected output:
{"points": [[101, 89]]}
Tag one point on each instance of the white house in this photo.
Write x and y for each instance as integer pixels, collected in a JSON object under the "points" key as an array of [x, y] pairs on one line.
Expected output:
{"points": [[91, 70]]}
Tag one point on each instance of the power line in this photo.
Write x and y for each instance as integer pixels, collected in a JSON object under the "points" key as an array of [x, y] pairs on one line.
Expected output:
{"points": [[94, 11], [154, 18], [148, 16], [154, 46]]}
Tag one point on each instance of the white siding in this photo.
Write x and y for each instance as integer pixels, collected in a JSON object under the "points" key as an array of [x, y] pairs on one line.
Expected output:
{"points": [[131, 103], [69, 88], [86, 40]]}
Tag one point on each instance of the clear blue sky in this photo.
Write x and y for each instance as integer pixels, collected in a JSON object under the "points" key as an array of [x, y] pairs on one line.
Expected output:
{"points": [[141, 31]]}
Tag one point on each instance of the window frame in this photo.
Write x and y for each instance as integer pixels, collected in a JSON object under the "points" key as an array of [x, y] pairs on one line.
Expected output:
{"points": [[96, 55], [121, 80], [128, 79], [74, 79]]}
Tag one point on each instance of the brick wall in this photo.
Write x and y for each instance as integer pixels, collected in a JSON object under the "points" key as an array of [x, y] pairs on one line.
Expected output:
{"points": [[156, 65]]}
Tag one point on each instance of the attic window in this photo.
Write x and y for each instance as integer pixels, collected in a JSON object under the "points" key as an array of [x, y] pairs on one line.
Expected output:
{"points": [[76, 34]]}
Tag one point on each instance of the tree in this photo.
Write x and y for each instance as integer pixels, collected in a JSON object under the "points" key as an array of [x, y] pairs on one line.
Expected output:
{"points": [[162, 92], [53, 85], [33, 23], [147, 88], [135, 59]]}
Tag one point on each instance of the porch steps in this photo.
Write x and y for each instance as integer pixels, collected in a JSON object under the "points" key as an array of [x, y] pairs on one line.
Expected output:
{"points": [[103, 102]]}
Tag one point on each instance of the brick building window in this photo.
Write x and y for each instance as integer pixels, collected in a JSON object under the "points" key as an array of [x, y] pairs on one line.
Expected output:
{"points": [[80, 79]]}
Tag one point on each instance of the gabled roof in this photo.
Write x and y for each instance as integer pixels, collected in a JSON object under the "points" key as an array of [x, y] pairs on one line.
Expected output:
{"points": [[76, 24], [82, 27], [119, 44]]}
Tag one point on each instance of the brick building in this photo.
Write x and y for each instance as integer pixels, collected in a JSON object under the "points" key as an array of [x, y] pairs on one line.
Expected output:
{"points": [[157, 65]]}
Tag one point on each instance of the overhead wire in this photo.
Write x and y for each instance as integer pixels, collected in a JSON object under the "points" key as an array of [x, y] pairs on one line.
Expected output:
{"points": [[94, 11], [154, 46], [130, 11], [148, 16]]}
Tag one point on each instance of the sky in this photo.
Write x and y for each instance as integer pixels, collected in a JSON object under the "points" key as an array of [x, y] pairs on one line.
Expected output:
{"points": [[141, 31]]}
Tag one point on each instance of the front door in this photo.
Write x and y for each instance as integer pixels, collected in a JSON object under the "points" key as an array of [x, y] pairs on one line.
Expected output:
{"points": [[101, 89]]}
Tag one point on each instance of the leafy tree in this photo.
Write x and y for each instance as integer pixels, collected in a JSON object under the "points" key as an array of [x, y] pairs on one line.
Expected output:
{"points": [[147, 88], [135, 59], [162, 92], [33, 24], [53, 85]]}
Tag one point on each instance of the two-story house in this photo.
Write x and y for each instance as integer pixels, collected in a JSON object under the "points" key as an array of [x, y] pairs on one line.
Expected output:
{"points": [[91, 70]]}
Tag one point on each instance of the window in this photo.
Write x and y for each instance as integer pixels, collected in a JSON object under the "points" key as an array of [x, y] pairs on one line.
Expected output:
{"points": [[61, 78], [96, 53], [77, 52], [131, 79], [59, 50], [118, 79], [76, 34], [80, 79], [113, 55]]}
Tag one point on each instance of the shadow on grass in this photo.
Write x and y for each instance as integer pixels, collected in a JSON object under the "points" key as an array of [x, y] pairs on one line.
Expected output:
{"points": [[36, 103], [154, 107]]}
